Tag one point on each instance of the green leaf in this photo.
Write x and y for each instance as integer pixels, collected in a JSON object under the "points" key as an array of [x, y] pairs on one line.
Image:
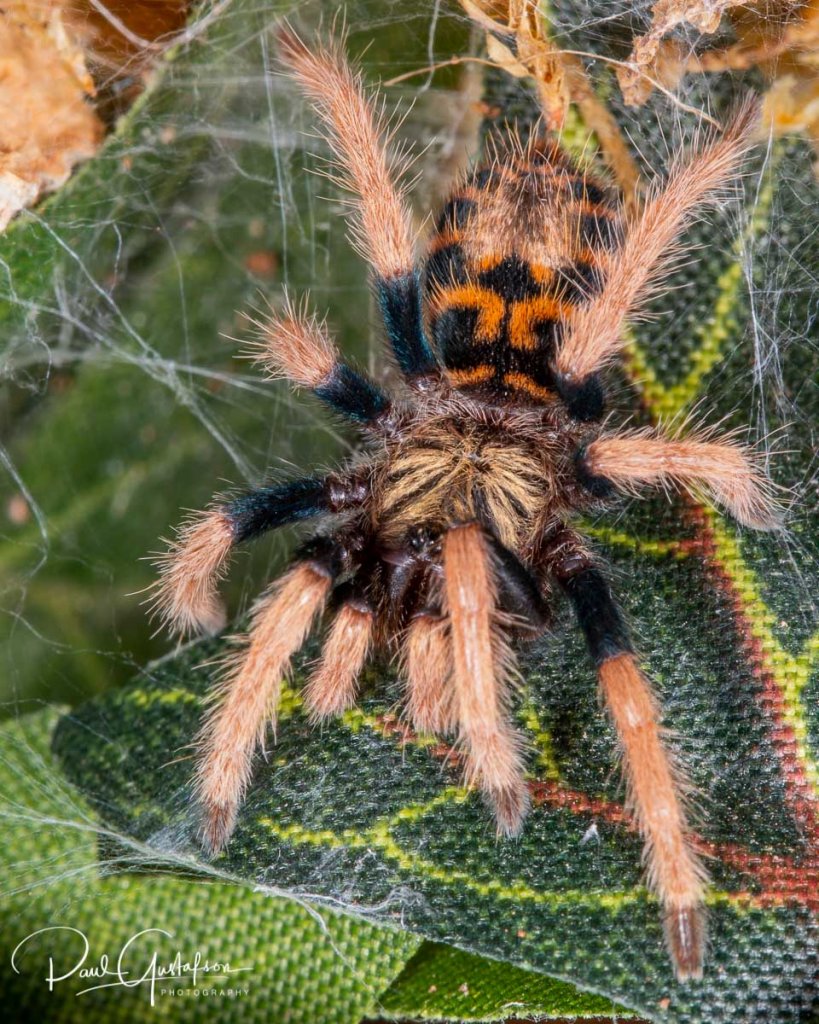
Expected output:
{"points": [[306, 963], [309, 962], [442, 983], [355, 813], [127, 401]]}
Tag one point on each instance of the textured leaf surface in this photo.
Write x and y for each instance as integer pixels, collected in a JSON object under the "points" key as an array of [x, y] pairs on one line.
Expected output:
{"points": [[306, 965], [74, 233], [123, 397], [726, 621], [371, 816], [442, 983]]}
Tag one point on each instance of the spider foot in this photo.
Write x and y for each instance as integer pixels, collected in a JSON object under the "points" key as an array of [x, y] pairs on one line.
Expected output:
{"points": [[510, 806], [685, 935], [218, 822]]}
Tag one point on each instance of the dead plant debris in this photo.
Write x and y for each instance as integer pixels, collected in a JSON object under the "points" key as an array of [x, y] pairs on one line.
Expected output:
{"points": [[517, 40], [779, 37], [58, 60]]}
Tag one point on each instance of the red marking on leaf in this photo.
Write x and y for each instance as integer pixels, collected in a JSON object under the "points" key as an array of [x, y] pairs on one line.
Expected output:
{"points": [[777, 879], [799, 794]]}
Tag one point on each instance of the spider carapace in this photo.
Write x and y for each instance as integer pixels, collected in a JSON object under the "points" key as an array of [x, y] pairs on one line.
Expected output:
{"points": [[447, 536]]}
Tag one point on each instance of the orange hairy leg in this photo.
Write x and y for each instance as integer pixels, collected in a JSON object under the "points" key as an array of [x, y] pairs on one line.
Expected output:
{"points": [[655, 786], [383, 226], [481, 666], [249, 696], [382, 222], [427, 667], [296, 345], [595, 331], [189, 571], [728, 472], [185, 596], [331, 688], [674, 870]]}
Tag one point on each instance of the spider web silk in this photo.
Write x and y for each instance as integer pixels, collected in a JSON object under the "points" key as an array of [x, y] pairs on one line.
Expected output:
{"points": [[124, 398]]}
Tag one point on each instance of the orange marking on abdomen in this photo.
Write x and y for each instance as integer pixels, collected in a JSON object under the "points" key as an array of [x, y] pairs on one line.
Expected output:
{"points": [[523, 382], [526, 314], [605, 210], [447, 237], [594, 257], [489, 305], [468, 192], [488, 261], [477, 375], [542, 274]]}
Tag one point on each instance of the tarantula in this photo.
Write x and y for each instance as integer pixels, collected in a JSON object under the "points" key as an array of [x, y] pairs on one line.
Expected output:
{"points": [[449, 530]]}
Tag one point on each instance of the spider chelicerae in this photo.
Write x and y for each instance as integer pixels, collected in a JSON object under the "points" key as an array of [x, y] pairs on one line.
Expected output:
{"points": [[445, 537]]}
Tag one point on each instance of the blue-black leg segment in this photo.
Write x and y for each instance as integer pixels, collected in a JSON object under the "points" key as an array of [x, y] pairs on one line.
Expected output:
{"points": [[518, 590], [585, 399], [599, 486], [334, 555], [269, 507], [353, 394], [598, 615], [400, 300], [563, 554]]}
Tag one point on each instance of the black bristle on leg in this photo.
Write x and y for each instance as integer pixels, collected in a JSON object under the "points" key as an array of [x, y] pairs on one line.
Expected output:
{"points": [[518, 592], [597, 613], [400, 300], [353, 394], [599, 486], [268, 507], [334, 555], [584, 399]]}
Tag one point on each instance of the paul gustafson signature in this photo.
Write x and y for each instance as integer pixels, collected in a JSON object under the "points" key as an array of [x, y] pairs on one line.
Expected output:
{"points": [[138, 963]]}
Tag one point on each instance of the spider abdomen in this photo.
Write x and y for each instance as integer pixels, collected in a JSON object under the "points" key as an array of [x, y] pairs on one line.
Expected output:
{"points": [[516, 250]]}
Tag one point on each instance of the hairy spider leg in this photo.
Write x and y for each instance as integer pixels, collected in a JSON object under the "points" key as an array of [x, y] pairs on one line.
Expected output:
{"points": [[248, 697], [595, 331], [655, 784], [185, 595], [482, 666], [296, 345], [426, 656], [675, 871], [520, 596], [382, 223], [426, 665], [331, 688], [727, 471]]}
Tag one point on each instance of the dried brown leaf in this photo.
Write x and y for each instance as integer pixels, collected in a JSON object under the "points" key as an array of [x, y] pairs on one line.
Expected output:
{"points": [[783, 42], [51, 52], [646, 55], [518, 41], [46, 123]]}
